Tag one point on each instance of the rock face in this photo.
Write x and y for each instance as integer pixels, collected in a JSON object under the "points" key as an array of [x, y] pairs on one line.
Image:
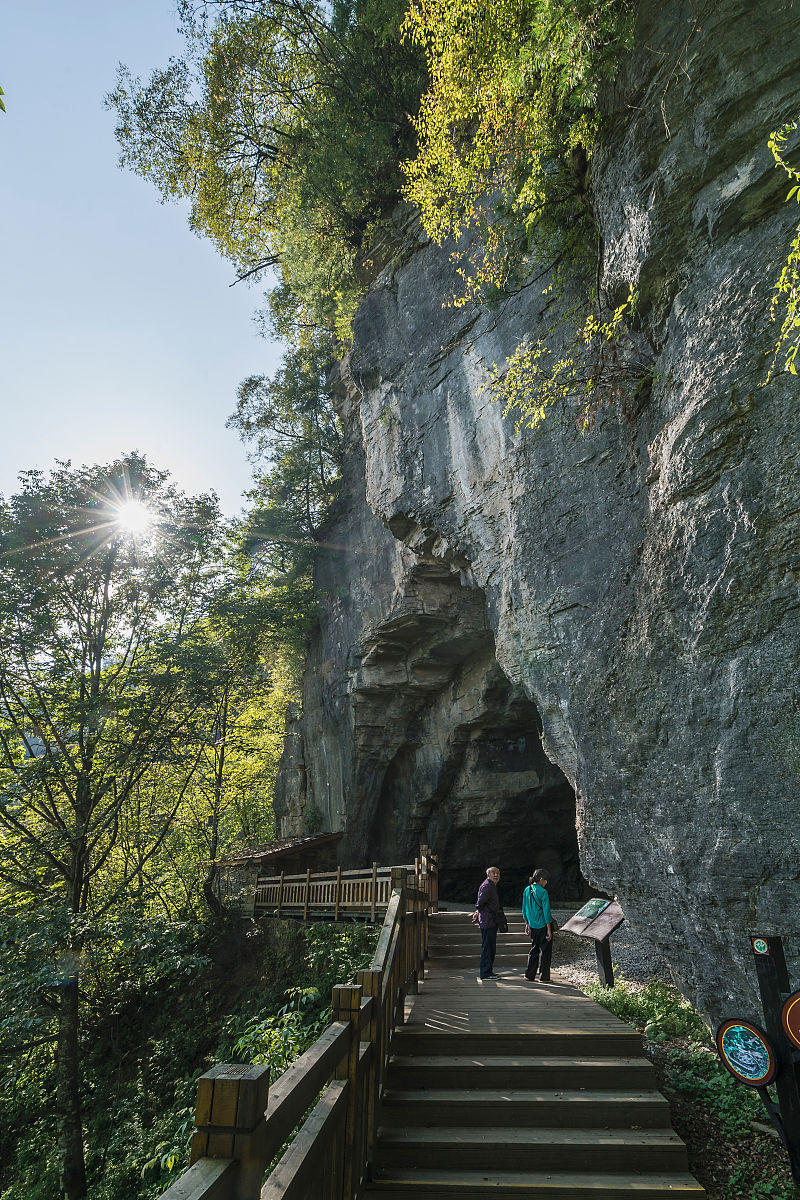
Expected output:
{"points": [[633, 591], [410, 731]]}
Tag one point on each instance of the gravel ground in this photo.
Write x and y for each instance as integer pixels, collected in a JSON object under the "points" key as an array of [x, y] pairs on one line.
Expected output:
{"points": [[631, 955]]}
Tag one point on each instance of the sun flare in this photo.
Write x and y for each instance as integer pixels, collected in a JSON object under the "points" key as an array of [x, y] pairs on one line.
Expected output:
{"points": [[134, 518]]}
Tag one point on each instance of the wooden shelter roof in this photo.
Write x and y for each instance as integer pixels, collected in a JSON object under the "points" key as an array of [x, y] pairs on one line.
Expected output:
{"points": [[281, 848]]}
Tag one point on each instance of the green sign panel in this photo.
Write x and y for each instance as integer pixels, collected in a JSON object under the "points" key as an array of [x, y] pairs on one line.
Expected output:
{"points": [[747, 1052]]}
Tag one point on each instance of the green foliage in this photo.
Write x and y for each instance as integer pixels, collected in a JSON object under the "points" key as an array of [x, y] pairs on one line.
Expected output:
{"points": [[140, 728], [335, 952], [700, 1074], [787, 289], [277, 1040], [602, 366], [313, 819], [747, 1184], [744, 1165], [283, 127], [103, 666], [291, 425], [656, 1007], [2, 105], [130, 972], [507, 124]]}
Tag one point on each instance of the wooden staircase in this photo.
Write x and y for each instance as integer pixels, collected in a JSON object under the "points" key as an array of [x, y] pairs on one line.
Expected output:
{"points": [[512, 1089]]}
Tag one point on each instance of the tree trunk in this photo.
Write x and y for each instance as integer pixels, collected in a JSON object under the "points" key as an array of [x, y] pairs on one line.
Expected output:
{"points": [[72, 1168], [209, 894]]}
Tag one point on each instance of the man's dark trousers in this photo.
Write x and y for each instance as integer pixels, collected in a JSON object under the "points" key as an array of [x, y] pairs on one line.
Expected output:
{"points": [[488, 950], [540, 948]]}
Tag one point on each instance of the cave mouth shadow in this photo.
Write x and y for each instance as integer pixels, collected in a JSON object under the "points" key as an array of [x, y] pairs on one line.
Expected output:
{"points": [[484, 793], [449, 750]]}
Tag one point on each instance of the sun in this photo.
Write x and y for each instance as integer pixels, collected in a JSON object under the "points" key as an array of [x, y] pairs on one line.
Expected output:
{"points": [[134, 518]]}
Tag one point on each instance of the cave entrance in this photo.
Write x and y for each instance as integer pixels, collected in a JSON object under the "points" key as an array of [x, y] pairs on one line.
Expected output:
{"points": [[446, 750], [507, 805], [471, 779]]}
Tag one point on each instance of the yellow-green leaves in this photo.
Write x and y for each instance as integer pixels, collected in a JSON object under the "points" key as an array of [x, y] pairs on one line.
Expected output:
{"points": [[511, 99], [786, 299], [590, 370]]}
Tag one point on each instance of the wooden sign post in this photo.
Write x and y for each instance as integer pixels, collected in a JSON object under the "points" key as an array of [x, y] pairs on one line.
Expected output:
{"points": [[598, 919], [758, 1057], [776, 1000]]}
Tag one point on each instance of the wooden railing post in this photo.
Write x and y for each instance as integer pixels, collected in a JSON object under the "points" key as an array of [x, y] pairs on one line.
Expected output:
{"points": [[370, 982], [338, 897], [346, 1003], [280, 893], [307, 895], [374, 891], [399, 885], [229, 1121]]}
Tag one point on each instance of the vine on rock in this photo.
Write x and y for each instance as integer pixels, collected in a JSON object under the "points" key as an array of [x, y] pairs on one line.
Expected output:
{"points": [[599, 367], [787, 288]]}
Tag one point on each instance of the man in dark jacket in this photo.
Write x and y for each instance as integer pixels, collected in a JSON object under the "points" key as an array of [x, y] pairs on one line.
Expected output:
{"points": [[488, 906]]}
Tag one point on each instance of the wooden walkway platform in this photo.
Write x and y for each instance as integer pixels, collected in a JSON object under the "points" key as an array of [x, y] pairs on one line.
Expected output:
{"points": [[509, 1088]]}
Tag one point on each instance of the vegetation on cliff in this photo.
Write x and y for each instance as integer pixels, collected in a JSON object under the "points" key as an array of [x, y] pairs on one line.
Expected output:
{"points": [[283, 126], [507, 126], [787, 288]]}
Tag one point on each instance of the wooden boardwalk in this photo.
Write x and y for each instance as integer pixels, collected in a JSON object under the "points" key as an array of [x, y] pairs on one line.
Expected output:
{"points": [[510, 1088]]}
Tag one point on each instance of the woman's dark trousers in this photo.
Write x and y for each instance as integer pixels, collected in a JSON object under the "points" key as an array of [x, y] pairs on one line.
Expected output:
{"points": [[488, 950], [540, 955]]}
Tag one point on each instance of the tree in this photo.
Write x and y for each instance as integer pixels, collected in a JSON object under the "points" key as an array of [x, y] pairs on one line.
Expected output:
{"points": [[507, 124], [283, 126], [290, 423], [107, 577]]}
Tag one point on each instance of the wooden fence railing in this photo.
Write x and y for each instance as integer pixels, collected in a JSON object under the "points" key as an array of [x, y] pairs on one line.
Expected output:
{"points": [[333, 894], [242, 1122], [341, 893]]}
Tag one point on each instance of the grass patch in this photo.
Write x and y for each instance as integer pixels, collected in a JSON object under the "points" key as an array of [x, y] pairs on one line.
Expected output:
{"points": [[655, 1007]]}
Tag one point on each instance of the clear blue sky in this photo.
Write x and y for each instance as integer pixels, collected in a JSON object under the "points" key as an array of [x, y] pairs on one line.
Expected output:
{"points": [[118, 330]]}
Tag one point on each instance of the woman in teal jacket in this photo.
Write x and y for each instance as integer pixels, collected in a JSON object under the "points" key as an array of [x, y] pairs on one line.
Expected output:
{"points": [[538, 925]]}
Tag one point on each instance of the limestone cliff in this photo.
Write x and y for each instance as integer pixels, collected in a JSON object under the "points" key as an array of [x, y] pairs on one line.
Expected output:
{"points": [[632, 592]]}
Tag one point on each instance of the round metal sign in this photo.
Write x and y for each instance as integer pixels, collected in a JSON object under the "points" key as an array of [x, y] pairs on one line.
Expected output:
{"points": [[747, 1052], [760, 946], [790, 1018]]}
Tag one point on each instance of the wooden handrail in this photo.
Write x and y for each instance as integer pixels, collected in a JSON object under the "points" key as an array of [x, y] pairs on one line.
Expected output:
{"points": [[341, 893], [242, 1123]]}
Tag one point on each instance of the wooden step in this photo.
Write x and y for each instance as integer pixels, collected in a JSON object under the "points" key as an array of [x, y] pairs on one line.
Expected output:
{"points": [[449, 949], [569, 1108], [495, 1070], [398, 1183], [548, 1149], [517, 945], [624, 1042], [513, 960]]}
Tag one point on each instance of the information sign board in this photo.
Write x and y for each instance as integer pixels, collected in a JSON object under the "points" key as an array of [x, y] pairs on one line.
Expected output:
{"points": [[597, 919], [747, 1052], [790, 1018]]}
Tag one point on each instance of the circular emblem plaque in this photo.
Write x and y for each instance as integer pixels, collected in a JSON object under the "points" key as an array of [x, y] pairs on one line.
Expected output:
{"points": [[747, 1052], [760, 946], [790, 1018]]}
